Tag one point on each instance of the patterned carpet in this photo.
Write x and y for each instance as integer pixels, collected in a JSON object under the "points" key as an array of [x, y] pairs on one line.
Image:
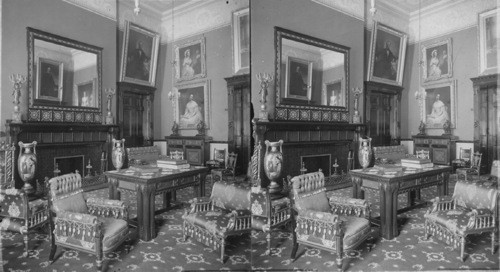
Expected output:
{"points": [[167, 252]]}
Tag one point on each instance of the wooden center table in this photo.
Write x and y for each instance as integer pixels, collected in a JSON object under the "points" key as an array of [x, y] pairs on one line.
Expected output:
{"points": [[389, 186], [147, 185]]}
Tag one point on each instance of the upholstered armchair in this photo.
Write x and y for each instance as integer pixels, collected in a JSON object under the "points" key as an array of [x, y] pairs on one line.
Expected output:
{"points": [[95, 226], [228, 171], [336, 224], [471, 210], [474, 167], [18, 212], [210, 220]]}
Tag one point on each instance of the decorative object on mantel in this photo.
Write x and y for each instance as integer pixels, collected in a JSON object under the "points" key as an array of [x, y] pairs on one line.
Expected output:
{"points": [[89, 169], [420, 97], [447, 128], [56, 170], [118, 153], [264, 79], [365, 152], [17, 80], [356, 119], [273, 162], [201, 128], [335, 168], [175, 129], [26, 165], [110, 92], [303, 169]]}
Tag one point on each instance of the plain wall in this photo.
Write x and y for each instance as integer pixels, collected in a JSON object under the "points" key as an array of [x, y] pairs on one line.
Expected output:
{"points": [[56, 17], [308, 18]]}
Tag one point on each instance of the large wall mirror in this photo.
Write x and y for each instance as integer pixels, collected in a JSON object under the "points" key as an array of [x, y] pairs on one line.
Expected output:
{"points": [[64, 79], [312, 78]]}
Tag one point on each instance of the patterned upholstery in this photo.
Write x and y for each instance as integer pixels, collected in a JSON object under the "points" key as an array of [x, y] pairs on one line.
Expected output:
{"points": [[471, 210], [17, 212], [210, 220], [390, 154], [335, 224], [95, 226]]}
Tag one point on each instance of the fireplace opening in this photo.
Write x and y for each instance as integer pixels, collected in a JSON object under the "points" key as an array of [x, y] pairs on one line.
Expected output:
{"points": [[70, 164], [315, 162]]}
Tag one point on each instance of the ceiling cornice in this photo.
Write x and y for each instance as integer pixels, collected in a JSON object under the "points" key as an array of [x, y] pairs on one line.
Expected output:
{"points": [[105, 8], [353, 8]]}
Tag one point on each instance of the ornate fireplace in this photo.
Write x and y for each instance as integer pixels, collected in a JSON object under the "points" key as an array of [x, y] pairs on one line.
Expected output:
{"points": [[69, 141]]}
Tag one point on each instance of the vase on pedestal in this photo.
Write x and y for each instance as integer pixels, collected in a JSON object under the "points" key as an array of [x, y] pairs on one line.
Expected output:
{"points": [[118, 153], [26, 165], [365, 152], [273, 164]]}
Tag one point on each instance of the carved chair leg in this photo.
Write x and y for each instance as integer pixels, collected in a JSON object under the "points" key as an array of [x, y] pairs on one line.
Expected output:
{"points": [[99, 262], [222, 249], [184, 232], [26, 254], [268, 237], [339, 260], [426, 231], [462, 248], [493, 243], [294, 243]]}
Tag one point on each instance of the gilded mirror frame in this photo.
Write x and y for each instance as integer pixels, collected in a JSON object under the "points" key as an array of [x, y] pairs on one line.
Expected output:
{"points": [[51, 112], [284, 110]]}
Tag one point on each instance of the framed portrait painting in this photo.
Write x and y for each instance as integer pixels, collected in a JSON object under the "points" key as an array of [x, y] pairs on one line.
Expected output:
{"points": [[139, 55], [440, 105], [488, 41], [241, 41], [333, 94], [387, 55], [190, 60], [298, 78], [192, 104], [437, 60], [84, 94], [49, 80]]}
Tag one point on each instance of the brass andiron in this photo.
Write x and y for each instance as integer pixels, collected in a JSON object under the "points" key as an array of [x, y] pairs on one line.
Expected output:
{"points": [[110, 92], [17, 80], [356, 119], [264, 79]]}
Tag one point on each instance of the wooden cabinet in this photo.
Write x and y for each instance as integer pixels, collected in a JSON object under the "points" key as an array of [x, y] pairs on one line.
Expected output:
{"points": [[486, 120], [441, 148], [240, 120], [195, 148]]}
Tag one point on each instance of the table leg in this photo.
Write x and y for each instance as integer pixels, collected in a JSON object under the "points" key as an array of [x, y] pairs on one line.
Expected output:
{"points": [[443, 187], [389, 210], [113, 188], [356, 188], [146, 211]]}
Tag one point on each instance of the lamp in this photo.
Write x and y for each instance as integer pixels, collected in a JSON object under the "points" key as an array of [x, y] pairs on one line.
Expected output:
{"points": [[110, 92], [17, 80], [137, 9], [373, 10]]}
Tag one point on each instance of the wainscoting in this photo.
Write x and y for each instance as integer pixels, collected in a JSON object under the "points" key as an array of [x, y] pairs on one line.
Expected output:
{"points": [[56, 140]]}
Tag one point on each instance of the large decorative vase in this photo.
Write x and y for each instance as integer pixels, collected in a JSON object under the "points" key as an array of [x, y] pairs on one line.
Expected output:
{"points": [[365, 152], [118, 153], [26, 165], [273, 164]]}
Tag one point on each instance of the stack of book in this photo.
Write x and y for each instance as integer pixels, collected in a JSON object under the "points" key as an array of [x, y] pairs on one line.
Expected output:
{"points": [[172, 164], [417, 163]]}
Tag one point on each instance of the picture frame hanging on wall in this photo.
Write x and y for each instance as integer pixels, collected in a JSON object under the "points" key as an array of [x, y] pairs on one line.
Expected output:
{"points": [[241, 41], [387, 55], [190, 60], [192, 104], [298, 78], [440, 104], [488, 41], [50, 80], [437, 60], [139, 55]]}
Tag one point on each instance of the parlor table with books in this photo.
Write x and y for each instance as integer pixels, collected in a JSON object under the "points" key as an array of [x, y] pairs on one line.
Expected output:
{"points": [[392, 180]]}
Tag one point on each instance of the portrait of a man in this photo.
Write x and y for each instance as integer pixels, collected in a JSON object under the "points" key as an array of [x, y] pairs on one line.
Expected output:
{"points": [[386, 56], [298, 78], [49, 80], [139, 55]]}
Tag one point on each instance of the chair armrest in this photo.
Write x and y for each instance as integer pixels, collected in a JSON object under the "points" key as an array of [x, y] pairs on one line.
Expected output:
{"points": [[350, 206], [78, 226], [199, 204], [441, 203], [107, 208], [481, 219], [317, 215], [240, 220]]}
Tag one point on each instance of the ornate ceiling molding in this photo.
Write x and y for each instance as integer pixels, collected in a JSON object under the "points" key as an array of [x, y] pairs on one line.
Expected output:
{"points": [[354, 8], [105, 8]]}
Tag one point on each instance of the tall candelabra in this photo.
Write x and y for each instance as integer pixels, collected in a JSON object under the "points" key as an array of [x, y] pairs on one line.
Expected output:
{"points": [[357, 93], [17, 80], [264, 79], [420, 97], [110, 92], [172, 96]]}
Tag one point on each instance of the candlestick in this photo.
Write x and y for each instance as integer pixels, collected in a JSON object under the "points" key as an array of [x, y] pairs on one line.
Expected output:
{"points": [[110, 92], [17, 81], [264, 79]]}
